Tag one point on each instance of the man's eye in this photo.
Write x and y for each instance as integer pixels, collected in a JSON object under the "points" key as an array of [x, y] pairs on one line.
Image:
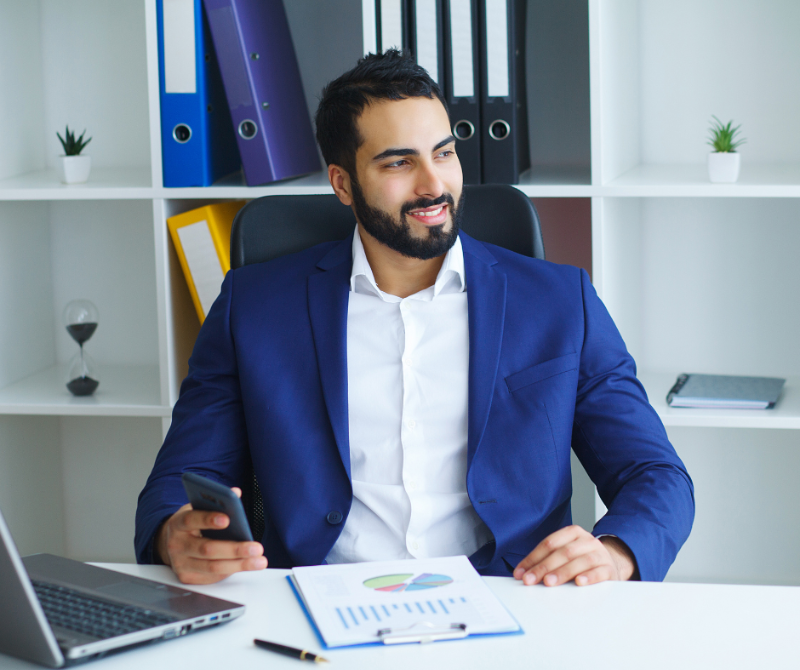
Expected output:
{"points": [[397, 163], [447, 153]]}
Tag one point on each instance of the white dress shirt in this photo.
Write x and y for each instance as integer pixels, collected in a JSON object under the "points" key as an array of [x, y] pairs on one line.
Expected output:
{"points": [[407, 370]]}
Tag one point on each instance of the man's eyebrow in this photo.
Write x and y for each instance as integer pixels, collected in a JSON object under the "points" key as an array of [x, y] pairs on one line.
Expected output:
{"points": [[444, 143], [395, 152], [411, 152]]}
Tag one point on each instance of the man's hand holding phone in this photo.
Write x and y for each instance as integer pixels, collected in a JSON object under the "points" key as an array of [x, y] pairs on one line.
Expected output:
{"points": [[196, 559]]}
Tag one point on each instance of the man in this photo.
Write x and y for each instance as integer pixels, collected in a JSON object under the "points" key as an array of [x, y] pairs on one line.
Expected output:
{"points": [[412, 392]]}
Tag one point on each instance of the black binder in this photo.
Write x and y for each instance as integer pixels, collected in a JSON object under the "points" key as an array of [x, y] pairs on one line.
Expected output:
{"points": [[462, 83], [504, 120], [391, 25], [426, 36]]}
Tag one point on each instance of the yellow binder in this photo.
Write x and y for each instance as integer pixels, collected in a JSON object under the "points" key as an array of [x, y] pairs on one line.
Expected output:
{"points": [[202, 238]]}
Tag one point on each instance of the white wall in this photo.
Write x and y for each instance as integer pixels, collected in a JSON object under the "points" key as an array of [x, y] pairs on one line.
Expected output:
{"points": [[105, 45]]}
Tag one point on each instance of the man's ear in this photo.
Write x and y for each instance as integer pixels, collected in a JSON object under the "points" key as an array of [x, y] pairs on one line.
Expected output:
{"points": [[340, 181]]}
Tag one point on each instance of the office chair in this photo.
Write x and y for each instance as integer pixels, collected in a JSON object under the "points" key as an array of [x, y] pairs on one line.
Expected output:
{"points": [[274, 226]]}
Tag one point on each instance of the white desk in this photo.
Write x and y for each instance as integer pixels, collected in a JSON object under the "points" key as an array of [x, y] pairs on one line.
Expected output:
{"points": [[641, 626]]}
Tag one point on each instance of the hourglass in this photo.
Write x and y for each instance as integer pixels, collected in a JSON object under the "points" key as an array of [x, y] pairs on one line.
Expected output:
{"points": [[80, 319]]}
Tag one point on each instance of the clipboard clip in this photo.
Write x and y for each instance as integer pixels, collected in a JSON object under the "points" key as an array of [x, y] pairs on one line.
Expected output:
{"points": [[423, 632]]}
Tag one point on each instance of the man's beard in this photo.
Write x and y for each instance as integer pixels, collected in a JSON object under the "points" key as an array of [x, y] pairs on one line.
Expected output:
{"points": [[396, 234]]}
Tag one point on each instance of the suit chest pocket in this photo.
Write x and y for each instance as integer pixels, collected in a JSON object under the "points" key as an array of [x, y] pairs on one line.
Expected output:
{"points": [[541, 371]]}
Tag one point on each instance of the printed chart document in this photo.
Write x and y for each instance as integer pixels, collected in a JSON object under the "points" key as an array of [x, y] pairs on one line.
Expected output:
{"points": [[399, 601]]}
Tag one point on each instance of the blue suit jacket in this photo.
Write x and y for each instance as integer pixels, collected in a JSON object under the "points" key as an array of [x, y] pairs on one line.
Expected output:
{"points": [[548, 371]]}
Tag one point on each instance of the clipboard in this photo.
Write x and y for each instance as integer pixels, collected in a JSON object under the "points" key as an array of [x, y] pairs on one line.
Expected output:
{"points": [[387, 618], [423, 633]]}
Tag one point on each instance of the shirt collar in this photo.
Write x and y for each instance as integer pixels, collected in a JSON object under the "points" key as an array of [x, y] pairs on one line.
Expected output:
{"points": [[451, 277]]}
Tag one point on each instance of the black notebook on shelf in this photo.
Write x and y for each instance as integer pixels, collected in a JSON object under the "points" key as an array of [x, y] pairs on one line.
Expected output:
{"points": [[725, 392]]}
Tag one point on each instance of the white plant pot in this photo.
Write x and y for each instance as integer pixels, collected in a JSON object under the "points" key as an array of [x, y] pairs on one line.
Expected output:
{"points": [[723, 167], [75, 169]]}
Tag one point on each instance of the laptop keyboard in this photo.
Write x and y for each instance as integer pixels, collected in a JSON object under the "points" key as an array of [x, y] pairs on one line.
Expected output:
{"points": [[98, 618]]}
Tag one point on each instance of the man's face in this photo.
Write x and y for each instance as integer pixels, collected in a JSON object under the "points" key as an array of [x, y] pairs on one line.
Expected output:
{"points": [[408, 184]]}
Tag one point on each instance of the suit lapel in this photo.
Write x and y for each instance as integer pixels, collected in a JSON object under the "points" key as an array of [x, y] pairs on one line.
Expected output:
{"points": [[486, 301], [327, 303]]}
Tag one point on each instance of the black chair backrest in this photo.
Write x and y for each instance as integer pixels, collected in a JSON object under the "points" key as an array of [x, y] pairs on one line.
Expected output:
{"points": [[277, 225]]}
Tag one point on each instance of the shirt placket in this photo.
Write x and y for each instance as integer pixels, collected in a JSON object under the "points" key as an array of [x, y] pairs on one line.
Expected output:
{"points": [[411, 431]]}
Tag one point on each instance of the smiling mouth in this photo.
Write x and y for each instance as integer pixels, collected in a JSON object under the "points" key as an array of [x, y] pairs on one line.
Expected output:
{"points": [[432, 212], [432, 216]]}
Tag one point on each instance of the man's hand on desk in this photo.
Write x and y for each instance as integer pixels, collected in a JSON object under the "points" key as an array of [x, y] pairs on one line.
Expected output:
{"points": [[573, 553], [199, 560]]}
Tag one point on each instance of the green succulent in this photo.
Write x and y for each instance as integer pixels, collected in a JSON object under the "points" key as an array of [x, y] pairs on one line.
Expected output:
{"points": [[723, 137], [73, 147]]}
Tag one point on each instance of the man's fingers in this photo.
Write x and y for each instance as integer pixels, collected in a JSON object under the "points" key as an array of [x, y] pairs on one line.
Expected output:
{"points": [[200, 571], [197, 520], [556, 561], [546, 547], [237, 490], [594, 561], [537, 564], [206, 548], [599, 574]]}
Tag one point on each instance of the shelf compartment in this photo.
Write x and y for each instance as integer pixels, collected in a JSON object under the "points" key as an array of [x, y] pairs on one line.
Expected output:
{"points": [[233, 187], [785, 414], [125, 390], [45, 45], [703, 285], [557, 182], [659, 74], [743, 479], [755, 181], [103, 184]]}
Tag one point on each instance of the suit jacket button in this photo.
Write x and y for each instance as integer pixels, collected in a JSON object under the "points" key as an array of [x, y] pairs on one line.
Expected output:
{"points": [[335, 517]]}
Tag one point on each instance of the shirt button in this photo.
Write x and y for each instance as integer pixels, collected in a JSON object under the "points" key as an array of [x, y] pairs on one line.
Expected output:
{"points": [[412, 486], [411, 423], [335, 517], [415, 545]]}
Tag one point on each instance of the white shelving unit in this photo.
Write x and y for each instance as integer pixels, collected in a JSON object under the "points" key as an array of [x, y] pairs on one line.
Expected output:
{"points": [[701, 277], [71, 468], [698, 277]]}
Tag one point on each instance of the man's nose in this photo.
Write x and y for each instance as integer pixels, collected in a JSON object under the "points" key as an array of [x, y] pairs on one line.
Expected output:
{"points": [[429, 182]]}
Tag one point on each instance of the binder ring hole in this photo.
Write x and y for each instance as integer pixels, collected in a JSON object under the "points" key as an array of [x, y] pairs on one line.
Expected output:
{"points": [[248, 129], [182, 133], [463, 130], [499, 130]]}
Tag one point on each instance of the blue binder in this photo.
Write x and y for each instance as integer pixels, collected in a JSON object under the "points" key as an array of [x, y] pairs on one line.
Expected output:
{"points": [[197, 141]]}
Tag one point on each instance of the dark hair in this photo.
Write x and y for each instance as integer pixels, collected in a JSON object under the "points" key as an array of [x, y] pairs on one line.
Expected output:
{"points": [[392, 75]]}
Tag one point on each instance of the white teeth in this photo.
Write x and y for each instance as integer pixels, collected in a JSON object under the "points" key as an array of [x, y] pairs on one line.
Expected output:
{"points": [[434, 212]]}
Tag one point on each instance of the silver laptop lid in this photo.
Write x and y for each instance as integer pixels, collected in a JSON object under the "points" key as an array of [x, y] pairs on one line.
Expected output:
{"points": [[24, 631]]}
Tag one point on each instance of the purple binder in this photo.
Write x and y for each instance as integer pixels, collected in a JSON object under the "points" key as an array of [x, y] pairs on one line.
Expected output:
{"points": [[262, 83]]}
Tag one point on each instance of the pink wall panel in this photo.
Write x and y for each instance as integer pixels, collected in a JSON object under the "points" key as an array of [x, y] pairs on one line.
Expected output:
{"points": [[567, 230]]}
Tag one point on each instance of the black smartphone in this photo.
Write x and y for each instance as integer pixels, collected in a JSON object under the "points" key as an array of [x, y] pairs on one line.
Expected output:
{"points": [[210, 496]]}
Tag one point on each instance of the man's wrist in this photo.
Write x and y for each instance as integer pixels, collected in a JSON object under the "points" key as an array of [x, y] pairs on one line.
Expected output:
{"points": [[623, 557]]}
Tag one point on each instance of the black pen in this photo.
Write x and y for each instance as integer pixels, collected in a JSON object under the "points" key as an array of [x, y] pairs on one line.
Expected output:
{"points": [[300, 654]]}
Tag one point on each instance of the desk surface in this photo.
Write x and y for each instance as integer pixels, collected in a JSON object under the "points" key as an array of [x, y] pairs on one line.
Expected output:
{"points": [[641, 626]]}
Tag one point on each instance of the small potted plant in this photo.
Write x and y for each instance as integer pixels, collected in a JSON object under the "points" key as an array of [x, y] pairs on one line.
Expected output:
{"points": [[74, 167], [723, 162]]}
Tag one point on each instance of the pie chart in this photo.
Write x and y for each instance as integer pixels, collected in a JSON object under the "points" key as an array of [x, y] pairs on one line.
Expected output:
{"points": [[407, 582]]}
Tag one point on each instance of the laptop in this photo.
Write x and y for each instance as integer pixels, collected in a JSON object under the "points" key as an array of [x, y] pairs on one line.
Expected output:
{"points": [[56, 612]]}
